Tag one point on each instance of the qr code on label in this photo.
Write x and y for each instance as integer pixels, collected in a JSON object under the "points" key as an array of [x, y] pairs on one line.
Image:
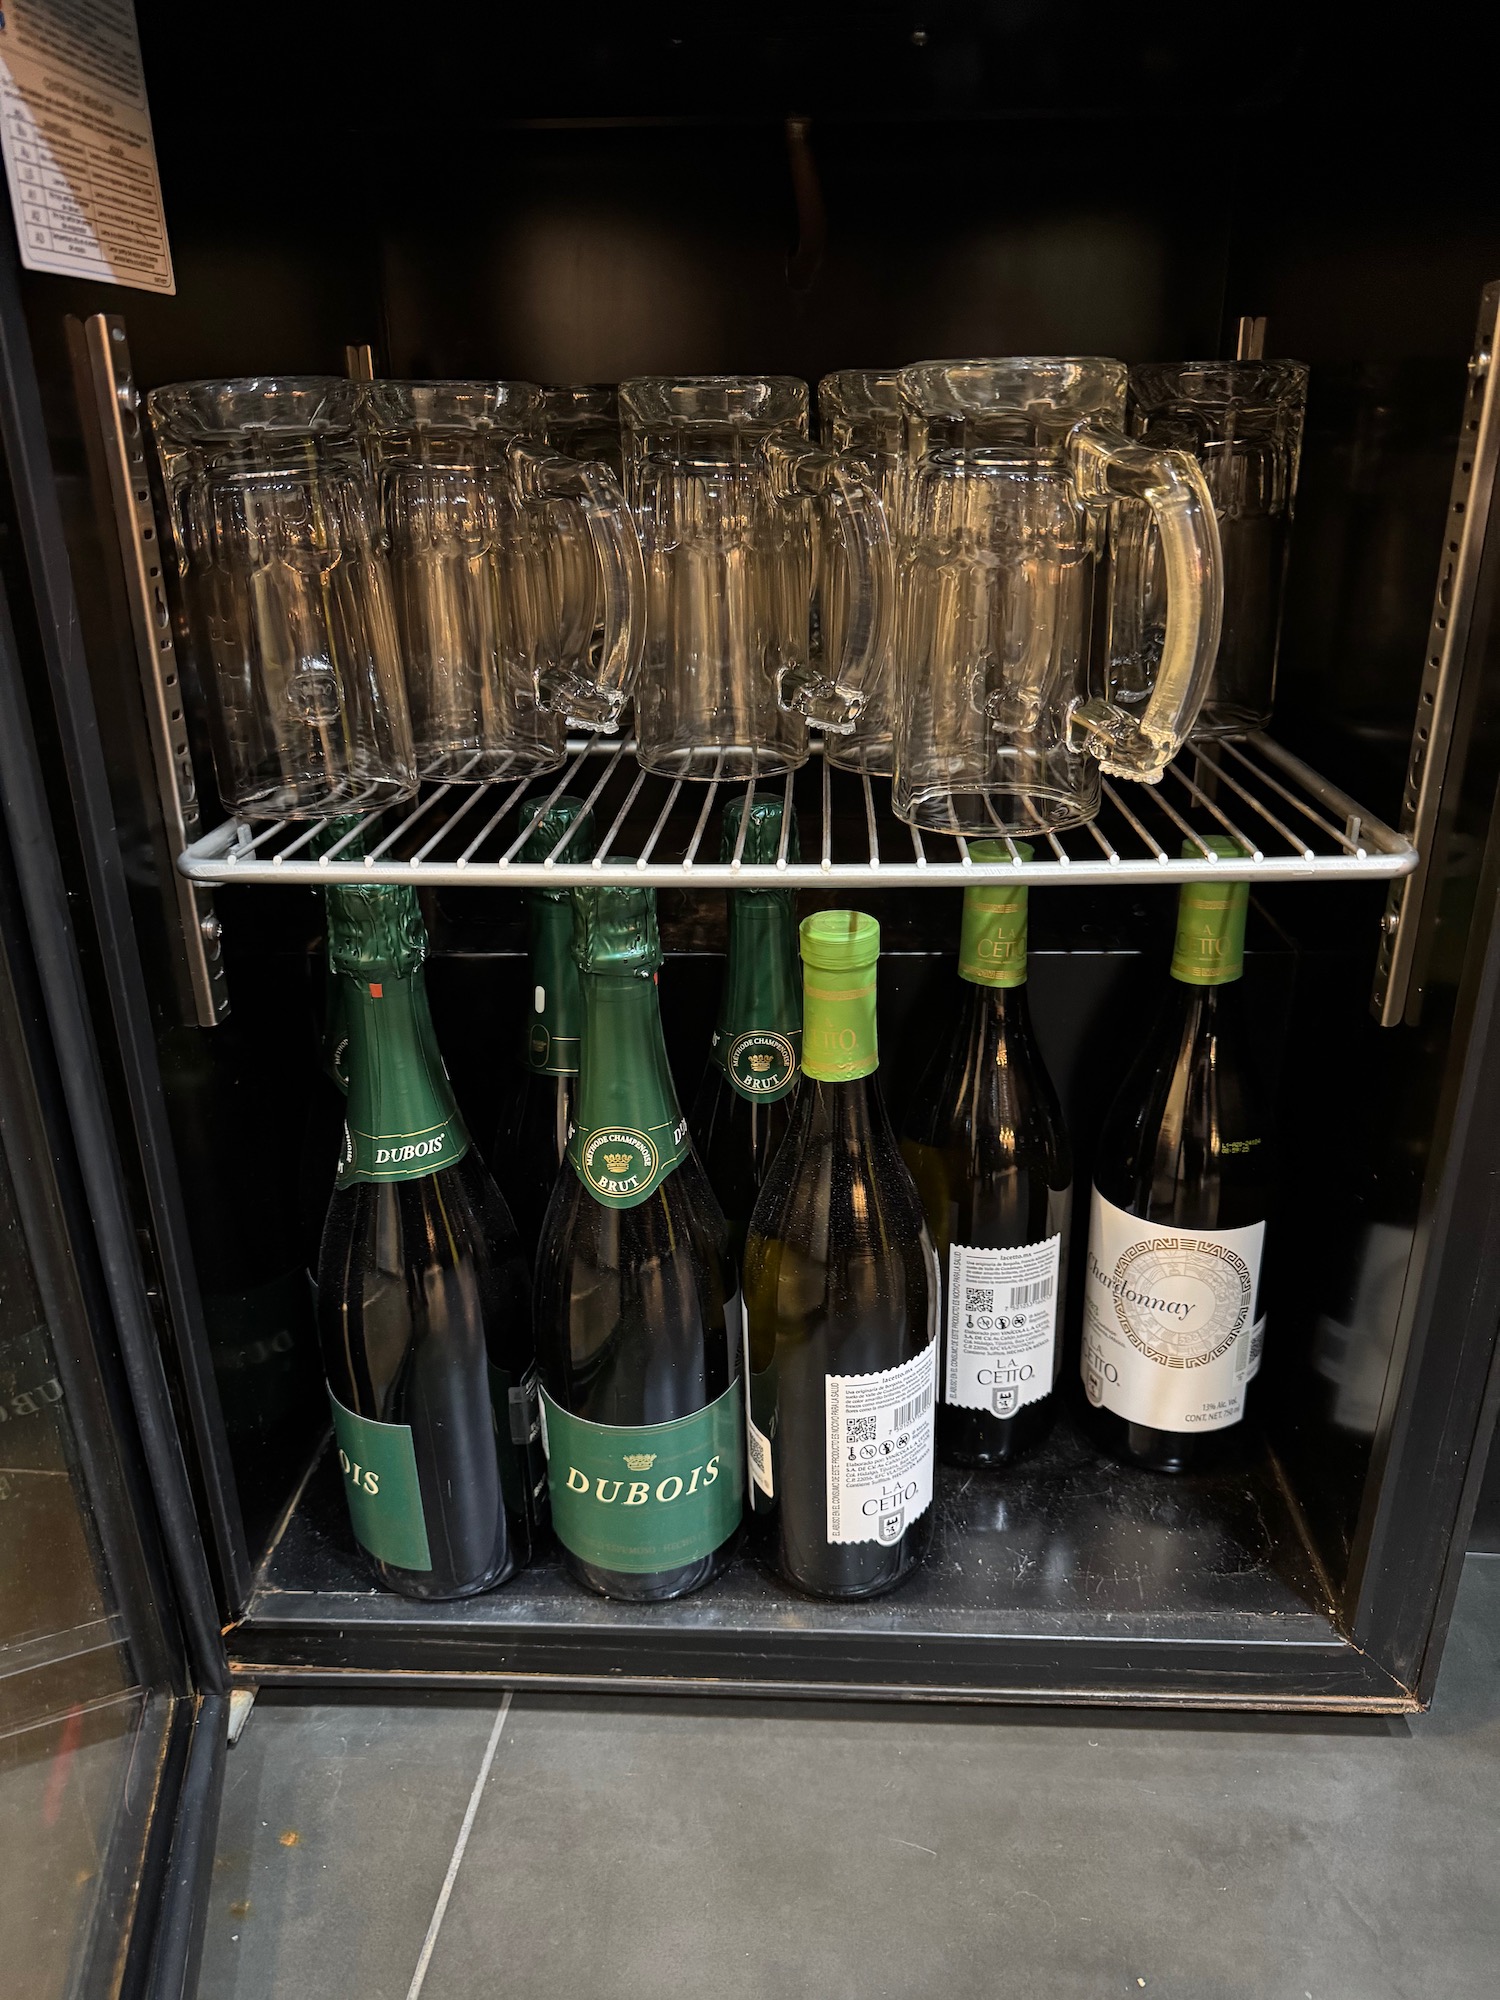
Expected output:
{"points": [[859, 1430], [980, 1299]]}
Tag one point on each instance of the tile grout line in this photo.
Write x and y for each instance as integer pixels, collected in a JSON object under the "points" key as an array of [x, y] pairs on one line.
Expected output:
{"points": [[419, 1977]]}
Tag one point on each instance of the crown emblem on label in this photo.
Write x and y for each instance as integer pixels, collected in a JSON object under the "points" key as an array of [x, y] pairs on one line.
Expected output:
{"points": [[617, 1162], [640, 1461], [760, 1062]]}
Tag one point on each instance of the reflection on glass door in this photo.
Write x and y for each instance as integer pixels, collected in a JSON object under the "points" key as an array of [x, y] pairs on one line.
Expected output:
{"points": [[69, 1706], [88, 1675]]}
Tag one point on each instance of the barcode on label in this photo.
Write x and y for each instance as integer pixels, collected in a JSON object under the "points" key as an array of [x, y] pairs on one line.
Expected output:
{"points": [[859, 1430], [907, 1413], [1032, 1294], [979, 1299]]}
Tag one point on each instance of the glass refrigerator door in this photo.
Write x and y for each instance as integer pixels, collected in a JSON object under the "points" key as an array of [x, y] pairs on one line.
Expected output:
{"points": [[90, 1718]]}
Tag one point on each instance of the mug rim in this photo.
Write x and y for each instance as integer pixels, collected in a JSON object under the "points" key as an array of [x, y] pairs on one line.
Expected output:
{"points": [[668, 399], [1281, 382], [1069, 384], [181, 411], [861, 392], [386, 405]]}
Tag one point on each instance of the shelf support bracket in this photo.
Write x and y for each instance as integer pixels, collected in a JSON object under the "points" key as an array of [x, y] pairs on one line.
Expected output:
{"points": [[1405, 939], [112, 407]]}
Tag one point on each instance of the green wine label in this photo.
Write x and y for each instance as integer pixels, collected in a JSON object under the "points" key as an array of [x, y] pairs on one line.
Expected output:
{"points": [[630, 1133], [402, 1121], [646, 1497], [760, 1063], [758, 1040], [379, 1467], [556, 1023], [1210, 946], [840, 949], [992, 942]]}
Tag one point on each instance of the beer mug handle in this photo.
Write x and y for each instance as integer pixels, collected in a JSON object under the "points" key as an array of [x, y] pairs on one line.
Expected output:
{"points": [[591, 693], [831, 694], [1109, 466]]}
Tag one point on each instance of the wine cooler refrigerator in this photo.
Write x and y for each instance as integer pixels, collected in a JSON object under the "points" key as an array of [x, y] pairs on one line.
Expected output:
{"points": [[475, 194]]}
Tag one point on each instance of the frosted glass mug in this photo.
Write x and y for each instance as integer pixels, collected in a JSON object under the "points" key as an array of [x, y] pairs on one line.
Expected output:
{"points": [[1017, 473], [737, 513]]}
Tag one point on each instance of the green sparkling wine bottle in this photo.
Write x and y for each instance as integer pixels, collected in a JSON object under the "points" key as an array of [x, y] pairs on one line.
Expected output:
{"points": [[532, 1140], [423, 1310], [985, 1143], [1172, 1322], [638, 1311], [841, 1293], [740, 1114]]}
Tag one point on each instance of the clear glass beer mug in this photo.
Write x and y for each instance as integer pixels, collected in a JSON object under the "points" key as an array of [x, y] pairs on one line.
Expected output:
{"points": [[582, 420], [1019, 471], [859, 416], [1242, 421], [287, 594], [504, 556], [737, 514]]}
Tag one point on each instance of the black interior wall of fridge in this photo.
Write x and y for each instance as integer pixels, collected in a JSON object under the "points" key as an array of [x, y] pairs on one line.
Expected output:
{"points": [[658, 191]]}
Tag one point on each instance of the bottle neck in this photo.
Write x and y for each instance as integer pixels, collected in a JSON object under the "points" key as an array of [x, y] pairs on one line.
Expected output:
{"points": [[1209, 949], [630, 1133], [1002, 1012], [556, 1017], [851, 1114], [839, 1043], [402, 1122], [335, 1052], [992, 943], [758, 1040]]}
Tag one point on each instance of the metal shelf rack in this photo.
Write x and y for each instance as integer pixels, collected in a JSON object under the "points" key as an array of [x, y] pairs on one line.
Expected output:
{"points": [[1293, 824]]}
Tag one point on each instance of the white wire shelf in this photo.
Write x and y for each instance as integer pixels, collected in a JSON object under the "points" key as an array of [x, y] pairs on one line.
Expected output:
{"points": [[1293, 824]]}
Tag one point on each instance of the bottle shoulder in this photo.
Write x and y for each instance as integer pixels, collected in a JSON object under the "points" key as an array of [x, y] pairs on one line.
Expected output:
{"points": [[455, 1214], [839, 1175], [1187, 1139], [987, 1101], [679, 1217]]}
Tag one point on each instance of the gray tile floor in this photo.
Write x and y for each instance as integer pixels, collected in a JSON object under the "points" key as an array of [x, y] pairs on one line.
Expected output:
{"points": [[752, 1851]]}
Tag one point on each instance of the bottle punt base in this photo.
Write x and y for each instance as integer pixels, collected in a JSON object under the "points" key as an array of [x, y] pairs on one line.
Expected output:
{"points": [[1153, 1450], [409, 1583], [979, 1442], [886, 1577], [655, 1587]]}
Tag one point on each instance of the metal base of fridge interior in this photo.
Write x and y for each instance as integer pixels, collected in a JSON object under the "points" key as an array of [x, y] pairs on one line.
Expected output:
{"points": [[1068, 1579]]}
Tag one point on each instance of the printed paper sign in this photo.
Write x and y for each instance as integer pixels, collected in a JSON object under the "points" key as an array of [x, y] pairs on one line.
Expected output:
{"points": [[76, 132]]}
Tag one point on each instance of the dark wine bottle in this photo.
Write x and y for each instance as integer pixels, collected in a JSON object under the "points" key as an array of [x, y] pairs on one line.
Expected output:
{"points": [[1172, 1326], [740, 1114], [985, 1143], [423, 1305], [637, 1300], [841, 1293], [532, 1140], [323, 1124]]}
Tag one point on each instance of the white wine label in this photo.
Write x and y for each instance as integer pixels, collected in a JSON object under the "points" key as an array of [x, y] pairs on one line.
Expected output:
{"points": [[1002, 1326], [757, 1444], [879, 1451], [1169, 1334]]}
